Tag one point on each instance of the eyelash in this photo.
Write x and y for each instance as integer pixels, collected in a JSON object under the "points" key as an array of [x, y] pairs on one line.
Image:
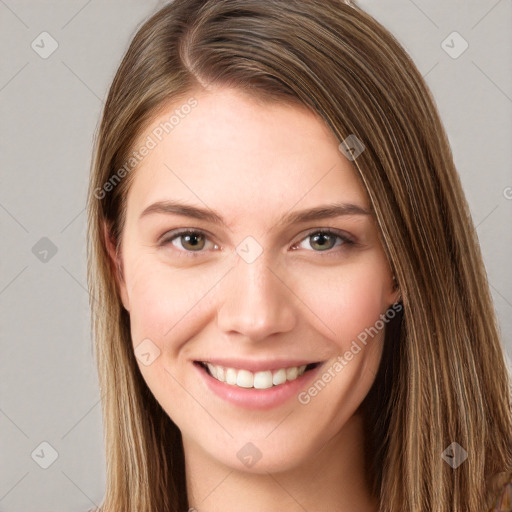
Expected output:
{"points": [[347, 241]]}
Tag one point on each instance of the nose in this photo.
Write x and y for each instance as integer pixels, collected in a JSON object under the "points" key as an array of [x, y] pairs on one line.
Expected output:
{"points": [[256, 301]]}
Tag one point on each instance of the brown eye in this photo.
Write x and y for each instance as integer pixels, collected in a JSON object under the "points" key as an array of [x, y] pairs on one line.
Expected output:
{"points": [[323, 240], [187, 241], [192, 241]]}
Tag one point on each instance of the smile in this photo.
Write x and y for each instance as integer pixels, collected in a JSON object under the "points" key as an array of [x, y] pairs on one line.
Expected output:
{"points": [[259, 380], [256, 385]]}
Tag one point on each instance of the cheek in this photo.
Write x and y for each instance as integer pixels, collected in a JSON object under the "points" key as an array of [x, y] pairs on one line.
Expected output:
{"points": [[168, 304], [168, 307], [346, 301], [165, 303]]}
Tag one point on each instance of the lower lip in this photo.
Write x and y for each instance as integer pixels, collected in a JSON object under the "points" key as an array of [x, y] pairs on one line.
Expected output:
{"points": [[260, 399]]}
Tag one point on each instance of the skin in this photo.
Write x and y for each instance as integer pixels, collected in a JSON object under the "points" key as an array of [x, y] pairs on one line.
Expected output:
{"points": [[254, 162]]}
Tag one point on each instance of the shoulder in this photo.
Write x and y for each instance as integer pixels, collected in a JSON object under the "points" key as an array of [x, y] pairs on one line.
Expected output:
{"points": [[504, 501]]}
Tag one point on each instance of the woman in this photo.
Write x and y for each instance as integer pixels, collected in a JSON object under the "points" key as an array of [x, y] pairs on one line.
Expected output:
{"points": [[290, 306]]}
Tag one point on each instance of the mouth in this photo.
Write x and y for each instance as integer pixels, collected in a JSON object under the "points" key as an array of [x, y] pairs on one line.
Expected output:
{"points": [[246, 379]]}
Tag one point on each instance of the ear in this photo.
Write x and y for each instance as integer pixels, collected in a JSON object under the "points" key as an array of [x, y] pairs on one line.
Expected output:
{"points": [[396, 295], [116, 265], [392, 293]]}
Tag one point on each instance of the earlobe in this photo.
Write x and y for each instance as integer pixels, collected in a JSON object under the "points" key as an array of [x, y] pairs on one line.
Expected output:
{"points": [[115, 265]]}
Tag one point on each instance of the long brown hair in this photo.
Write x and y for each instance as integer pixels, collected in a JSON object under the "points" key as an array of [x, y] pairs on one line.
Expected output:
{"points": [[443, 376]]}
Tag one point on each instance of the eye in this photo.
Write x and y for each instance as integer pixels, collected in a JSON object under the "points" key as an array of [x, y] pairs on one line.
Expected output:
{"points": [[190, 241], [325, 240]]}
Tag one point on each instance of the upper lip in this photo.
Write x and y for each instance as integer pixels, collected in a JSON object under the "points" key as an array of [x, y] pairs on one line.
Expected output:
{"points": [[256, 366]]}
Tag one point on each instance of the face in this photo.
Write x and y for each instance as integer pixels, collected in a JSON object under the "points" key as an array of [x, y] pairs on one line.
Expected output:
{"points": [[254, 286]]}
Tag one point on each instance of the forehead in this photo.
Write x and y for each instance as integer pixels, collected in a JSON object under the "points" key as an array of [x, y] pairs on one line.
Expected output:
{"points": [[233, 153]]}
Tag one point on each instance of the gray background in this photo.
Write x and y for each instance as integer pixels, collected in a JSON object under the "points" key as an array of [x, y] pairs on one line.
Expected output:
{"points": [[50, 110]]}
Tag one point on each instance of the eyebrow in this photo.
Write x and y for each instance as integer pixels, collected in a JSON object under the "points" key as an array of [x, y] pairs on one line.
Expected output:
{"points": [[205, 214]]}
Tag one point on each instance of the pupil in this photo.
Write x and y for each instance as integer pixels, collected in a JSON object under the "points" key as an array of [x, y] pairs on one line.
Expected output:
{"points": [[324, 236], [189, 237]]}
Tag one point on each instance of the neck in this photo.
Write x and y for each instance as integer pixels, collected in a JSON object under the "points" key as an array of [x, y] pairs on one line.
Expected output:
{"points": [[332, 479]]}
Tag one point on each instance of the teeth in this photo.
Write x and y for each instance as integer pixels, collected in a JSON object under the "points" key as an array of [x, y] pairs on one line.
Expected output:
{"points": [[258, 380], [213, 369], [292, 373], [245, 379], [279, 377]]}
